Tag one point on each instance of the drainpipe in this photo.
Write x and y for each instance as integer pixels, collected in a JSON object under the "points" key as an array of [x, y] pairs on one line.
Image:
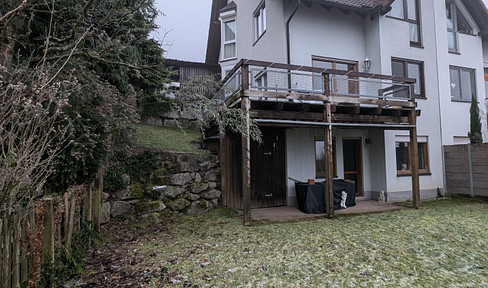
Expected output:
{"points": [[288, 48]]}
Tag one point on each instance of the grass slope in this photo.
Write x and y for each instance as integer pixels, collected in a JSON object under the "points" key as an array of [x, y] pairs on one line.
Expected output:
{"points": [[443, 244], [167, 139]]}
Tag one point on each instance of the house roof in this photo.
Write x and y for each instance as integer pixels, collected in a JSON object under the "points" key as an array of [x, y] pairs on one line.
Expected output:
{"points": [[229, 7], [361, 7], [478, 11], [213, 43]]}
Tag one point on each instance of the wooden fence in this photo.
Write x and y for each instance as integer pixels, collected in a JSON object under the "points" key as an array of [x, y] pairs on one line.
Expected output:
{"points": [[467, 169], [29, 236]]}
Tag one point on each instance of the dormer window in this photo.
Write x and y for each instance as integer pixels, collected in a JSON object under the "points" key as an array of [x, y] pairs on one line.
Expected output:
{"points": [[230, 46], [456, 23], [259, 21], [408, 10]]}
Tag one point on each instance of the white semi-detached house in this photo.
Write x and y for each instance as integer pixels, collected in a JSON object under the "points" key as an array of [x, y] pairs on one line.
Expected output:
{"points": [[441, 44]]}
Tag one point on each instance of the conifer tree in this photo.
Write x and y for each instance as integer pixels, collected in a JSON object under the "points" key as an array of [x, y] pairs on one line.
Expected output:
{"points": [[475, 122]]}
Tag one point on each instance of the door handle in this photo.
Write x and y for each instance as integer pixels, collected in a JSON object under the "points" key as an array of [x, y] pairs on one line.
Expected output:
{"points": [[269, 195], [268, 153]]}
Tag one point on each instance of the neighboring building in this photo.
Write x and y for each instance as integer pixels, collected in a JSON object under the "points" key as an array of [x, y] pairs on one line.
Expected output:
{"points": [[441, 44], [190, 71]]}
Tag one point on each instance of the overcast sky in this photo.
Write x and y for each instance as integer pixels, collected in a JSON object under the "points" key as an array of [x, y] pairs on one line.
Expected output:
{"points": [[185, 24]]}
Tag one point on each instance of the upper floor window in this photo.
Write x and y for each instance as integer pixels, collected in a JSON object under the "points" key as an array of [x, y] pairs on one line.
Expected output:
{"points": [[259, 21], [342, 85], [456, 23], [410, 69], [230, 45], [463, 85], [409, 11]]}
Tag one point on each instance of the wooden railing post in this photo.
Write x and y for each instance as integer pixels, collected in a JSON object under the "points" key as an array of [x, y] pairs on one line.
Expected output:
{"points": [[326, 77], [246, 149]]}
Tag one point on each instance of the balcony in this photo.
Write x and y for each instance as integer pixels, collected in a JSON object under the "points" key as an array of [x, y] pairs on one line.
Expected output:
{"points": [[295, 95]]}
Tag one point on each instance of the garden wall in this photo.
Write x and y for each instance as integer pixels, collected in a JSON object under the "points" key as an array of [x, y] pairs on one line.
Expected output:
{"points": [[467, 169], [152, 185]]}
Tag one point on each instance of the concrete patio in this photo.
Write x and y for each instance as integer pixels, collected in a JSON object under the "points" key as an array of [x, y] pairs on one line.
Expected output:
{"points": [[287, 213]]}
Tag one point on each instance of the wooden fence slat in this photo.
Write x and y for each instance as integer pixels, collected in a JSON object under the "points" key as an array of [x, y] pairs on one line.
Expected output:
{"points": [[16, 250], [24, 269], [6, 252], [2, 252]]}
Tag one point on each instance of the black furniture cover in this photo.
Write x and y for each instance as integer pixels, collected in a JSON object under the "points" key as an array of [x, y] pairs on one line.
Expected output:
{"points": [[311, 197]]}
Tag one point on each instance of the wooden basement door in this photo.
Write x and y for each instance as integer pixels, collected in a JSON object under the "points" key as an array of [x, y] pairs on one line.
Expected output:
{"points": [[268, 174]]}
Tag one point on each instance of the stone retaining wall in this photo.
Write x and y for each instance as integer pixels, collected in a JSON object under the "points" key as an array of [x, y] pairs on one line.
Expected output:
{"points": [[189, 184]]}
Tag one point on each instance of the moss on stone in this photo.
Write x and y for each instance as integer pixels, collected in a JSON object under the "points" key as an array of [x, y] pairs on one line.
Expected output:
{"points": [[147, 207], [136, 190]]}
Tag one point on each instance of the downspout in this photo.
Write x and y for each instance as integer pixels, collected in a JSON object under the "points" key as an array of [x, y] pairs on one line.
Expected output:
{"points": [[288, 48], [443, 160]]}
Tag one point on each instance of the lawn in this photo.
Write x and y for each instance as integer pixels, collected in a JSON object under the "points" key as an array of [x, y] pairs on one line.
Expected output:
{"points": [[176, 140], [443, 244]]}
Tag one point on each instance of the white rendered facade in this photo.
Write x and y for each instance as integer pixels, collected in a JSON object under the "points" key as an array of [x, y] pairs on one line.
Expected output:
{"points": [[331, 33]]}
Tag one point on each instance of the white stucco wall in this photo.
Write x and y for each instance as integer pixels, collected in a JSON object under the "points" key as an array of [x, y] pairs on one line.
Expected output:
{"points": [[301, 156]]}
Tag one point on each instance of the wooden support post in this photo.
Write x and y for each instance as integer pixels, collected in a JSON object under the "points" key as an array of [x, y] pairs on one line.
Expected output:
{"points": [[48, 235], [5, 256], [224, 172], [24, 264], [246, 150], [329, 165], [415, 159]]}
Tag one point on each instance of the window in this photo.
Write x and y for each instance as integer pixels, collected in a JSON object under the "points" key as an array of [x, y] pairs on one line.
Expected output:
{"points": [[409, 11], [230, 40], [259, 21], [320, 158], [404, 154], [343, 85], [463, 85], [456, 23], [410, 69]]}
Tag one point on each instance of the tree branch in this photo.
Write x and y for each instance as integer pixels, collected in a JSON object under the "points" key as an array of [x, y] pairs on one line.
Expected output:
{"points": [[21, 6]]}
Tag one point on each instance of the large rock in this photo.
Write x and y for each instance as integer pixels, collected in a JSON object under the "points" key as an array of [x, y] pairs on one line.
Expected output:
{"points": [[171, 192], [212, 194], [199, 188], [179, 204], [199, 207], [120, 208], [192, 197], [133, 191], [154, 121], [187, 167], [211, 175], [180, 178], [149, 207], [104, 212]]}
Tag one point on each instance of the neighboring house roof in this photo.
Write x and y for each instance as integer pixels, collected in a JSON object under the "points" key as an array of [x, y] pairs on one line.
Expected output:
{"points": [[189, 69]]}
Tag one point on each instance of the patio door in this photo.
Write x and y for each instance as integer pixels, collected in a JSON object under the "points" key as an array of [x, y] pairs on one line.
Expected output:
{"points": [[268, 174], [353, 166]]}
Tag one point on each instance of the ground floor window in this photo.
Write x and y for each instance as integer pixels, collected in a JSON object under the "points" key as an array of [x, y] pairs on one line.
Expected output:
{"points": [[320, 158], [404, 156]]}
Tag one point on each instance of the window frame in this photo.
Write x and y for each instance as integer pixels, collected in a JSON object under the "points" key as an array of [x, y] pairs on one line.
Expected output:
{"points": [[408, 172], [353, 85], [472, 72], [455, 10], [405, 63], [259, 16], [323, 175], [411, 21], [229, 42]]}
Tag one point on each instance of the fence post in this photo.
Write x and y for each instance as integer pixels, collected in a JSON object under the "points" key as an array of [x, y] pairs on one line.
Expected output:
{"points": [[470, 163], [6, 258], [16, 250]]}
